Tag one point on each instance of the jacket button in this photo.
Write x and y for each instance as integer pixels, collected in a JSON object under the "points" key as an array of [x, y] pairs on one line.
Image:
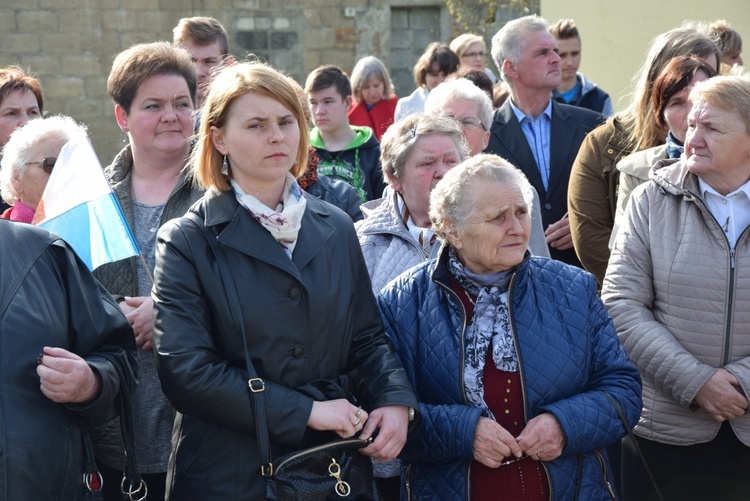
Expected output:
{"points": [[548, 206], [610, 151], [298, 352], [294, 293]]}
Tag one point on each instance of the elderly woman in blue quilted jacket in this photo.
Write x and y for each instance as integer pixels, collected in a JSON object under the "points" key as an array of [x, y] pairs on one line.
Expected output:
{"points": [[515, 361]]}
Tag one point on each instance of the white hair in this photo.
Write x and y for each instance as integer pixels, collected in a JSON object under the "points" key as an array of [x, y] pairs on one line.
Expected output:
{"points": [[22, 147], [508, 43], [460, 88]]}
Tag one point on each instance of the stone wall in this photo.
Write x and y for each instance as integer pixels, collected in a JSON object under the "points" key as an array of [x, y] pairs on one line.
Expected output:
{"points": [[70, 45]]}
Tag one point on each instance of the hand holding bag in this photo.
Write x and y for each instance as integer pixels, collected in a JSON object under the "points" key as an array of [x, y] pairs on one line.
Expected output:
{"points": [[332, 471]]}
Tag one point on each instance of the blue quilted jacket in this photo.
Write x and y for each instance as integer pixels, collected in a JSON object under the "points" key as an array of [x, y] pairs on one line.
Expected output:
{"points": [[569, 355]]}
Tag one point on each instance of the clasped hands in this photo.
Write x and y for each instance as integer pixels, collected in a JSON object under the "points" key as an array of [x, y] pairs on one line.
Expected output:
{"points": [[542, 440], [722, 397]]}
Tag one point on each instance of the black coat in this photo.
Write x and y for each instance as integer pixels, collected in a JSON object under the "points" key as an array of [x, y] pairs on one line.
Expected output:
{"points": [[49, 298], [570, 125], [310, 318]]}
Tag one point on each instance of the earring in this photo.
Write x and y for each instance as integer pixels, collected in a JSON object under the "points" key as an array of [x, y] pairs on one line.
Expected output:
{"points": [[225, 166], [125, 131]]}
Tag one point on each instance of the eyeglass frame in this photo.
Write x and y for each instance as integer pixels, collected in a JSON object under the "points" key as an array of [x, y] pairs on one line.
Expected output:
{"points": [[47, 164], [470, 125], [474, 54]]}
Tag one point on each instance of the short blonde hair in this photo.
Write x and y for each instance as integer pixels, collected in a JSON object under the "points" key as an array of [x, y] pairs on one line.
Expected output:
{"points": [[461, 43], [229, 84], [454, 197], [21, 148], [730, 93]]}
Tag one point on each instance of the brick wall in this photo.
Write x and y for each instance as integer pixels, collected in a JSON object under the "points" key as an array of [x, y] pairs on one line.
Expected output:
{"points": [[70, 44]]}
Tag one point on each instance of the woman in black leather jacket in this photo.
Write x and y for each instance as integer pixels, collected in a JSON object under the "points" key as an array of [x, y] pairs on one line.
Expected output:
{"points": [[61, 340], [308, 309]]}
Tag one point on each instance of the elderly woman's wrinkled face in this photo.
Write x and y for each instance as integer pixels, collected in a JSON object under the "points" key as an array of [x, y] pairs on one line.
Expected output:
{"points": [[717, 147], [17, 108], [30, 180], [497, 234], [430, 158]]}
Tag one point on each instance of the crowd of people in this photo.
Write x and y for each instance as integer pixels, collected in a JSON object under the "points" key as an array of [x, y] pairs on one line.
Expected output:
{"points": [[508, 289]]}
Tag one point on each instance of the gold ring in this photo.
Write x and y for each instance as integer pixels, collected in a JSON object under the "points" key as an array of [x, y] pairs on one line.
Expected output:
{"points": [[730, 416], [356, 423]]}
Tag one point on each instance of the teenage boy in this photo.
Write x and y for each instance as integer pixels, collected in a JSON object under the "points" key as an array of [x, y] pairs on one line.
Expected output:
{"points": [[206, 41], [348, 153], [575, 89]]}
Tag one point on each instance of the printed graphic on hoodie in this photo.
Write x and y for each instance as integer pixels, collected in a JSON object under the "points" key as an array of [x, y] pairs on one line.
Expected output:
{"points": [[357, 165]]}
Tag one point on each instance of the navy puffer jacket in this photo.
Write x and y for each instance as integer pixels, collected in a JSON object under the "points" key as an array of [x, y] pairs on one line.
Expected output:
{"points": [[569, 354]]}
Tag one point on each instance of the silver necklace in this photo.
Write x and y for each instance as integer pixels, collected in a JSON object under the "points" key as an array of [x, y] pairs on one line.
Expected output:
{"points": [[144, 219]]}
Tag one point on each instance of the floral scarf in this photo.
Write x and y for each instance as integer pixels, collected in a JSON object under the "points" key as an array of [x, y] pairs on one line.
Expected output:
{"points": [[284, 222], [489, 324]]}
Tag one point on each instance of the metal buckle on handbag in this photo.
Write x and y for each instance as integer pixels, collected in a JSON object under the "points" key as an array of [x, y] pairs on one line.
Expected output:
{"points": [[256, 385], [342, 488], [266, 470]]}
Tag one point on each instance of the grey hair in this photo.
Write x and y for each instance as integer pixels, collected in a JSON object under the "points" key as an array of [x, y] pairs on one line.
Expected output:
{"points": [[454, 197], [21, 148], [508, 43], [400, 138], [365, 70], [729, 93], [460, 88]]}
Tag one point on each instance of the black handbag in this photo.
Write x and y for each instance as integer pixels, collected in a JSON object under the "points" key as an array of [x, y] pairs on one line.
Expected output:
{"points": [[330, 471]]}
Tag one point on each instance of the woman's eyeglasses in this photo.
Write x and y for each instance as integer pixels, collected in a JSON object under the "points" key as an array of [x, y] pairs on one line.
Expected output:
{"points": [[467, 122], [471, 55], [47, 163]]}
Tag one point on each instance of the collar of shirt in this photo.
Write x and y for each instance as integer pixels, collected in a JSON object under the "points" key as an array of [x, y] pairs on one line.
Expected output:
{"points": [[520, 115], [732, 211], [426, 234]]}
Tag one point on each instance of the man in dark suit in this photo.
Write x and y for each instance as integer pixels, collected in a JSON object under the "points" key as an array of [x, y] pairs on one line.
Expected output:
{"points": [[534, 132]]}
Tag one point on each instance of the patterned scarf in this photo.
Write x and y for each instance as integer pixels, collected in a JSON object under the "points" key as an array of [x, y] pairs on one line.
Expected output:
{"points": [[284, 222], [489, 325], [674, 147]]}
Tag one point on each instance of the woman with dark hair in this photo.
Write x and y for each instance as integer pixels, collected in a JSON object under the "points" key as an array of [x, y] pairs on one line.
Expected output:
{"points": [[671, 108], [435, 65], [21, 99], [153, 87], [592, 191]]}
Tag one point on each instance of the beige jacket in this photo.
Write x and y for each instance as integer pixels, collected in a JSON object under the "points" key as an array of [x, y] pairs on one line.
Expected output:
{"points": [[634, 170], [680, 300]]}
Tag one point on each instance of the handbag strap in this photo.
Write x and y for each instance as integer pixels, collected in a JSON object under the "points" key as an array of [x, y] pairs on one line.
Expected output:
{"points": [[132, 486], [254, 383], [633, 439]]}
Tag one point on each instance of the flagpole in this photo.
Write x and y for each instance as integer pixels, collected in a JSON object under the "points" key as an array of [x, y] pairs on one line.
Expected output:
{"points": [[145, 267]]}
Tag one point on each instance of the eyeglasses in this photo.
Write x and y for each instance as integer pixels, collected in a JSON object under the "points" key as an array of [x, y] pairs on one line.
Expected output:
{"points": [[47, 163], [474, 54], [467, 122]]}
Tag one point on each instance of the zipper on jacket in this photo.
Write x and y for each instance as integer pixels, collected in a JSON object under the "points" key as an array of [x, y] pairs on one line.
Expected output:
{"points": [[408, 483], [464, 320], [732, 270], [520, 371], [730, 304], [605, 473]]}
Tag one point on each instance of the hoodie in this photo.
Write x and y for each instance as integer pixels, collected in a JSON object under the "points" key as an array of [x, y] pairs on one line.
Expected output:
{"points": [[358, 164]]}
